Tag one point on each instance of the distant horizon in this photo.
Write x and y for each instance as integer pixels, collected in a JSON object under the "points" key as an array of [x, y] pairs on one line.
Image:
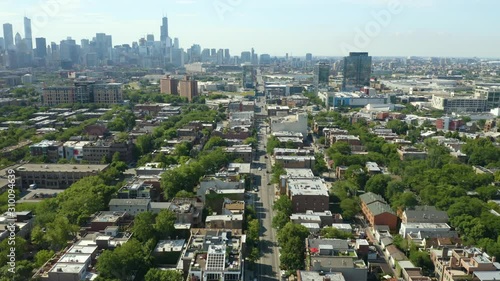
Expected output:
{"points": [[383, 28]]}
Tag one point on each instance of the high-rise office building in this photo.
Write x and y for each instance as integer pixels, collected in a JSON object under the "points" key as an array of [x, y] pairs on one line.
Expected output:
{"points": [[309, 57], [265, 59], [246, 57], [69, 52], [248, 78], [41, 47], [321, 74], [176, 43], [18, 40], [227, 55], [164, 31], [103, 43], [8, 36], [2, 43], [357, 71], [150, 37], [28, 36], [205, 55]]}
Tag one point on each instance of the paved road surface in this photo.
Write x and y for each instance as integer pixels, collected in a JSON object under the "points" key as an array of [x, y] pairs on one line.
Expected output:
{"points": [[268, 265]]}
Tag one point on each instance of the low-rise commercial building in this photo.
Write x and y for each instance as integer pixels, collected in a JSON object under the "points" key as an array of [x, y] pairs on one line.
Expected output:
{"points": [[290, 123], [297, 162], [131, 206], [55, 176]]}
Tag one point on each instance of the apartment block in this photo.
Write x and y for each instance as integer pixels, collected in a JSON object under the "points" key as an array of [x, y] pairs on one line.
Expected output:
{"points": [[50, 149], [83, 92], [169, 86], [463, 264], [377, 211], [424, 214], [308, 194], [95, 152], [188, 88], [214, 254], [110, 93]]}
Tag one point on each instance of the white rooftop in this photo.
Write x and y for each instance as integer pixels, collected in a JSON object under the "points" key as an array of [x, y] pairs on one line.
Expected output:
{"points": [[314, 186]]}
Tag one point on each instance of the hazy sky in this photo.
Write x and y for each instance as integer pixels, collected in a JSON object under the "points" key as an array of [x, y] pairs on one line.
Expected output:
{"points": [[463, 28]]}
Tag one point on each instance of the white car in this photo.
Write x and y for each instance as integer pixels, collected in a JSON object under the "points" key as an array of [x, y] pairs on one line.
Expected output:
{"points": [[260, 168]]}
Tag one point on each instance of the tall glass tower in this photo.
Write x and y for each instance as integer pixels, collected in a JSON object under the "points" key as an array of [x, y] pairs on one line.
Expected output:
{"points": [[357, 71], [28, 36], [164, 30]]}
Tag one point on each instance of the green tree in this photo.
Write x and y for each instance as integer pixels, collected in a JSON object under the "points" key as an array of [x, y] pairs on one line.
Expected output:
{"points": [[252, 141], [182, 149], [42, 257], [155, 274], [116, 157], [164, 226], [280, 220], [334, 233], [144, 226], [215, 142], [123, 262], [339, 147], [378, 184], [350, 208], [399, 127], [283, 205], [292, 241], [144, 144], [60, 231], [277, 171]]}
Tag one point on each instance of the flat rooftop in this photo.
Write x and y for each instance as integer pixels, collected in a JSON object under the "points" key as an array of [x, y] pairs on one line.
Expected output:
{"points": [[299, 173], [108, 216], [314, 186], [170, 246], [55, 168]]}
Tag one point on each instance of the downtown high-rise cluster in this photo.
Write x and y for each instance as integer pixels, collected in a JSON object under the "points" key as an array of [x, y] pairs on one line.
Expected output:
{"points": [[147, 52]]}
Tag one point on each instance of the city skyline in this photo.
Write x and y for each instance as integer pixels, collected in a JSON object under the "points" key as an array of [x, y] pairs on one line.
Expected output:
{"points": [[376, 26]]}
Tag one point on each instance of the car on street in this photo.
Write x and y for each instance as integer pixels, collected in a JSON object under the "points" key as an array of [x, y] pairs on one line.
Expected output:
{"points": [[260, 168]]}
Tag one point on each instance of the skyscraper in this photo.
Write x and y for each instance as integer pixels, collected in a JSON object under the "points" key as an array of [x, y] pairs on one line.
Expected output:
{"points": [[18, 40], [103, 43], [321, 74], [41, 47], [357, 71], [309, 57], [8, 36], [248, 76], [164, 31], [28, 36]]}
